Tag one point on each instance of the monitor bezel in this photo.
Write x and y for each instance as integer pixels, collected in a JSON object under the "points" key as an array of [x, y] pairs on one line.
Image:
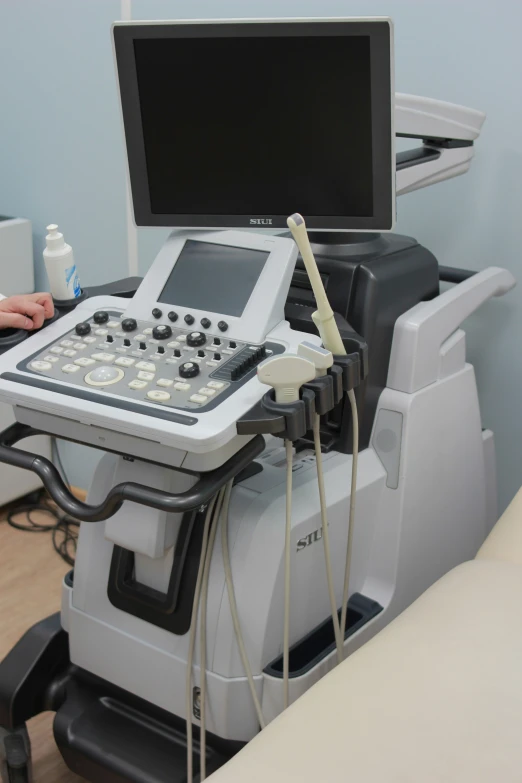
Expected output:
{"points": [[380, 33]]}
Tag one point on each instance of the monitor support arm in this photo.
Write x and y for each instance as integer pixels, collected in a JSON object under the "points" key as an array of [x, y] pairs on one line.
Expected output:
{"points": [[447, 132]]}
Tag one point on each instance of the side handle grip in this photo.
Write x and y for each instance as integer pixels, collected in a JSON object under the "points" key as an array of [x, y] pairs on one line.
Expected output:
{"points": [[196, 496]]}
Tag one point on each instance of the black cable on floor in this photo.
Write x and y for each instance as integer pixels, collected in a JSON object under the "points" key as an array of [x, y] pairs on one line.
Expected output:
{"points": [[63, 529]]}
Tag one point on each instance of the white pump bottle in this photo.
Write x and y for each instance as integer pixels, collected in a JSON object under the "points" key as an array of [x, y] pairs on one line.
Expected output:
{"points": [[60, 266]]}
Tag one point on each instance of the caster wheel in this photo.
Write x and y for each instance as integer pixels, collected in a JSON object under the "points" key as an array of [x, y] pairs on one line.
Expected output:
{"points": [[15, 756]]}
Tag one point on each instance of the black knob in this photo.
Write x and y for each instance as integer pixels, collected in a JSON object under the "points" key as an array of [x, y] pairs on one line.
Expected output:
{"points": [[173, 316], [143, 346], [205, 323], [222, 326], [101, 317], [189, 319], [232, 344], [217, 341], [217, 357], [189, 370], [157, 312], [196, 338], [129, 324], [201, 353], [161, 349], [109, 338], [127, 342], [177, 352], [161, 332], [83, 328]]}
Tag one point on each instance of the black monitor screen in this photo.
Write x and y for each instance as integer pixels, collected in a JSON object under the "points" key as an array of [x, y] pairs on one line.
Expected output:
{"points": [[250, 126], [202, 277]]}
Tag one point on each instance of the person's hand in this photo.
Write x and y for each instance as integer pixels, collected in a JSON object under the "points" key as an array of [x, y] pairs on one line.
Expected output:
{"points": [[27, 311]]}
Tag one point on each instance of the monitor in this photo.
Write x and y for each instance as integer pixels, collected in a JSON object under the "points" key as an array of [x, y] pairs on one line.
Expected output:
{"points": [[238, 124]]}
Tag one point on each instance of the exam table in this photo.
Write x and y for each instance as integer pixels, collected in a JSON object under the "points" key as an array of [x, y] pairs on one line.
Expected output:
{"points": [[435, 696]]}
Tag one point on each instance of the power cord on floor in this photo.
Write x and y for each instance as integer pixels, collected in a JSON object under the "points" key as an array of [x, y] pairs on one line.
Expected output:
{"points": [[63, 528]]}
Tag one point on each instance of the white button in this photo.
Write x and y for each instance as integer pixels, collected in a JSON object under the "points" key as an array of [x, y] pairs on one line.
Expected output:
{"points": [[52, 359], [227, 350], [198, 398], [120, 350], [212, 364], [153, 341], [137, 384], [84, 361], [158, 396], [104, 376], [164, 382], [215, 385], [146, 376], [69, 352], [56, 349], [79, 346], [171, 361], [140, 338], [148, 330], [136, 353], [113, 324], [120, 334], [89, 340], [173, 344], [187, 348], [125, 361], [103, 357], [40, 365], [182, 338], [197, 360], [207, 392], [147, 366], [70, 368], [66, 343], [101, 331], [181, 386]]}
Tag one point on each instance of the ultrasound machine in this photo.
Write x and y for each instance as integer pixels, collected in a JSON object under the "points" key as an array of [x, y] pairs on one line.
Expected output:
{"points": [[293, 446]]}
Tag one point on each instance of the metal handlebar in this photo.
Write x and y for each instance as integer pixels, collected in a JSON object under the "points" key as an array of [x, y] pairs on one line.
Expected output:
{"points": [[196, 496]]}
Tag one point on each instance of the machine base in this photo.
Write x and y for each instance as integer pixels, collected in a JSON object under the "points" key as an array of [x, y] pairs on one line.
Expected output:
{"points": [[105, 734]]}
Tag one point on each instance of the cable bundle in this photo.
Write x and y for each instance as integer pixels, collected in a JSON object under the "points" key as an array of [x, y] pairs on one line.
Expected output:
{"points": [[63, 529]]}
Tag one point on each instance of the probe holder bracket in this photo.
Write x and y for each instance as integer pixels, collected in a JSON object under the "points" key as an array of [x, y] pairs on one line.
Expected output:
{"points": [[288, 420]]}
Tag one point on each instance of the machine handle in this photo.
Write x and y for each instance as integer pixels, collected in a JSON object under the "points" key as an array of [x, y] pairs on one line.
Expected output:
{"points": [[420, 332], [196, 496], [125, 288], [450, 274]]}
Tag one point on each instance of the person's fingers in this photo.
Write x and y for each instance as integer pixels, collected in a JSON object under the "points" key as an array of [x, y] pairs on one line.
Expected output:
{"points": [[34, 311], [15, 321], [45, 299]]}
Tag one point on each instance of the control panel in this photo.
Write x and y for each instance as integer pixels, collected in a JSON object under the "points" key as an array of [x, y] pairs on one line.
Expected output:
{"points": [[153, 362]]}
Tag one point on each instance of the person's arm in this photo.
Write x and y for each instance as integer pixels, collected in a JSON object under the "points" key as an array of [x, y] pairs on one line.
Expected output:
{"points": [[27, 311]]}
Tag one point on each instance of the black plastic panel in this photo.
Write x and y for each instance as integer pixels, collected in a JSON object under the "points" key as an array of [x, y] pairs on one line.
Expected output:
{"points": [[371, 281]]}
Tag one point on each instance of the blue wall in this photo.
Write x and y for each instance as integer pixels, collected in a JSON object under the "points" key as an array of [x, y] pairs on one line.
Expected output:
{"points": [[62, 156]]}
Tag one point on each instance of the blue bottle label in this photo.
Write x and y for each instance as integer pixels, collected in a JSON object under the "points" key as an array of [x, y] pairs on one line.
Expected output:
{"points": [[73, 281]]}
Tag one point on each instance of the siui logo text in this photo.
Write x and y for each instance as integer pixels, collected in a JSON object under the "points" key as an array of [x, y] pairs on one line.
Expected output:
{"points": [[260, 221], [311, 538]]}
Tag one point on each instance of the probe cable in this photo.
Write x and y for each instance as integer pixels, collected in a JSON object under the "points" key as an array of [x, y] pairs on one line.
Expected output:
{"points": [[233, 608], [203, 633], [326, 537], [288, 531], [353, 492], [192, 639]]}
